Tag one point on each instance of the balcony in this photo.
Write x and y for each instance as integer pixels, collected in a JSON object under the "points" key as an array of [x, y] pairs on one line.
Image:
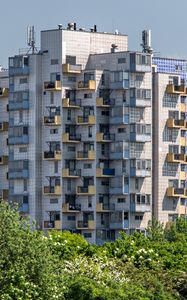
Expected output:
{"points": [[85, 155], [18, 174], [90, 224], [68, 103], [52, 121], [140, 137], [88, 120], [104, 137], [183, 210], [53, 86], [182, 141], [19, 105], [120, 85], [119, 224], [71, 69], [4, 160], [3, 92], [176, 158], [134, 172], [176, 192], [71, 138], [18, 140], [120, 119], [86, 190], [4, 194], [105, 172], [119, 190], [4, 126], [101, 207], [178, 124], [175, 89], [52, 225], [88, 85], [100, 102], [19, 71], [52, 190], [52, 155], [68, 173], [137, 207], [69, 208], [120, 154]]}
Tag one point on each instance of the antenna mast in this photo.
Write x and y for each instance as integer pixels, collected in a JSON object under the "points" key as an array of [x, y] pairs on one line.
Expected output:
{"points": [[146, 42], [31, 41]]}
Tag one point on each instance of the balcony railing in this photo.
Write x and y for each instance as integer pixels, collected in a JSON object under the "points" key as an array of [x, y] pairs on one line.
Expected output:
{"points": [[71, 138], [104, 137], [19, 104], [67, 207], [85, 120], [69, 173], [4, 194], [134, 172], [53, 85], [86, 190], [52, 225], [100, 102], [90, 224], [53, 121], [52, 155], [103, 207], [140, 137], [137, 207], [68, 103], [86, 85], [3, 160], [176, 158], [175, 89], [173, 123], [4, 126], [52, 190], [176, 192], [105, 172], [85, 155], [74, 69]]}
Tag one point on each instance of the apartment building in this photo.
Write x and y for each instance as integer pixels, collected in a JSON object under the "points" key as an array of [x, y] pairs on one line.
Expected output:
{"points": [[3, 133], [169, 139]]}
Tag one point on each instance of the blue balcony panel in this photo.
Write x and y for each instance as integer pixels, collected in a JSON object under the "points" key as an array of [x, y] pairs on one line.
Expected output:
{"points": [[21, 174], [18, 140], [119, 155], [109, 172], [17, 105], [18, 71], [120, 85], [126, 224]]}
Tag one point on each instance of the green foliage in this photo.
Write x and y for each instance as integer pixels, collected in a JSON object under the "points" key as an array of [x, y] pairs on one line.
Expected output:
{"points": [[61, 265]]}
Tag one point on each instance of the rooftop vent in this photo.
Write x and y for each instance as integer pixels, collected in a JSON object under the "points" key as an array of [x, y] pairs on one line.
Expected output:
{"points": [[59, 26], [114, 48], [71, 26]]}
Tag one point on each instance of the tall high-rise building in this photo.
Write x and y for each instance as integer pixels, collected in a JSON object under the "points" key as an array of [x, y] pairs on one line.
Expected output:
{"points": [[90, 150]]}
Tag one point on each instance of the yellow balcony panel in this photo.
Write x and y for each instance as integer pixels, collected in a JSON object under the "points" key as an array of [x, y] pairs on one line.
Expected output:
{"points": [[100, 207], [100, 102], [53, 86], [90, 224], [105, 172], [182, 107], [176, 192], [67, 173], [172, 123], [71, 69], [182, 210], [3, 92], [71, 138], [52, 190], [176, 158], [104, 138], [52, 225], [52, 155], [182, 141], [58, 225], [52, 121], [182, 175], [4, 126], [89, 190], [89, 120], [4, 160], [67, 208], [4, 194], [175, 89], [85, 155], [67, 103], [90, 85]]}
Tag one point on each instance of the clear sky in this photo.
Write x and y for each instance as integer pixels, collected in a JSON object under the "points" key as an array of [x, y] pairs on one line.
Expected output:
{"points": [[166, 18]]}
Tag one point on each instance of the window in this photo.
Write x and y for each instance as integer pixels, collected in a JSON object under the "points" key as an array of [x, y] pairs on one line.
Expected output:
{"points": [[54, 61], [103, 79], [52, 98], [121, 200], [56, 167], [22, 149], [138, 217], [23, 80], [71, 79], [87, 234], [54, 201], [71, 149], [20, 116], [54, 131], [71, 218], [87, 166], [105, 182], [70, 59], [122, 130], [105, 113], [88, 96], [25, 185], [121, 60]]}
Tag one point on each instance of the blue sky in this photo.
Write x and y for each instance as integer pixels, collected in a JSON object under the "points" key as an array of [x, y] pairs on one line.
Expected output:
{"points": [[166, 18]]}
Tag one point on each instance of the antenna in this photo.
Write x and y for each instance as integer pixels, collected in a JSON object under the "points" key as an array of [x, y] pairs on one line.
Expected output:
{"points": [[31, 41], [146, 41]]}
